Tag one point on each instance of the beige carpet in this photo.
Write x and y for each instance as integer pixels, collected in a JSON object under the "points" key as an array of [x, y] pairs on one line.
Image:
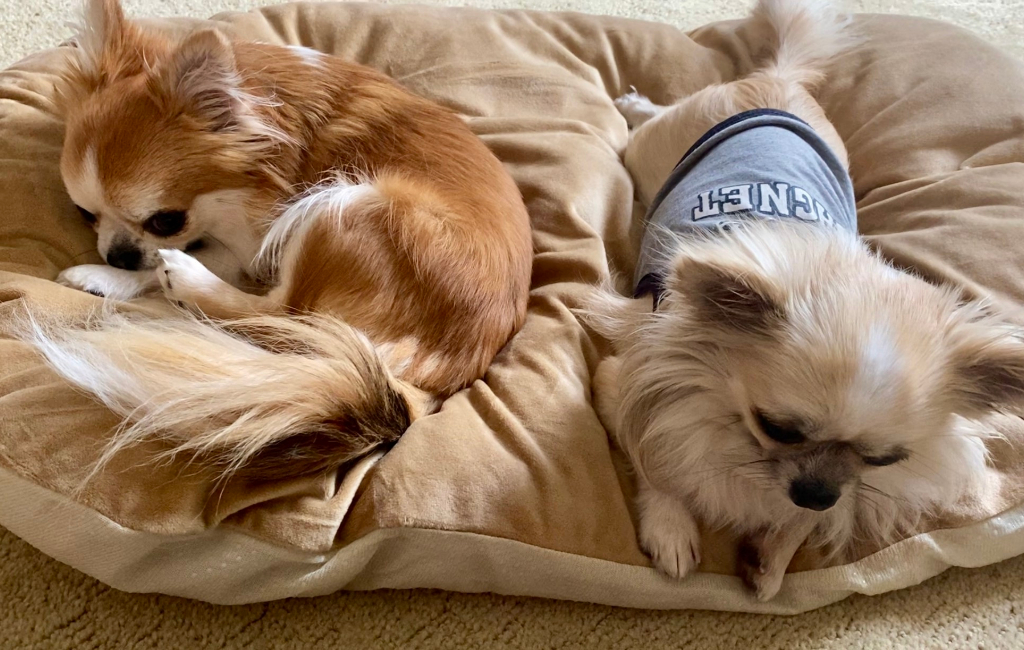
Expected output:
{"points": [[30, 25], [44, 604]]}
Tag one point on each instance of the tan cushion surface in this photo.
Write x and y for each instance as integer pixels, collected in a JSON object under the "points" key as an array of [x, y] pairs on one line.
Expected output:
{"points": [[513, 487]]}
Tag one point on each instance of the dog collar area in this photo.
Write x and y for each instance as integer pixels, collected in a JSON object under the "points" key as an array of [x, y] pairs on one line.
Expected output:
{"points": [[760, 164]]}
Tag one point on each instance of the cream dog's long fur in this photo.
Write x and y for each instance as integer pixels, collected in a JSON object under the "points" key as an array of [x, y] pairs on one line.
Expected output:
{"points": [[778, 331]]}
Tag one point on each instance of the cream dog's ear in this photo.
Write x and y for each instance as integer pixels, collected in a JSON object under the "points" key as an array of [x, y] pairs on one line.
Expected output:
{"points": [[728, 291], [987, 372]]}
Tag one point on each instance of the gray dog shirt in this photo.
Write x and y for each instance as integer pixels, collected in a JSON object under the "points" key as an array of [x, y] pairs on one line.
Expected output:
{"points": [[763, 164]]}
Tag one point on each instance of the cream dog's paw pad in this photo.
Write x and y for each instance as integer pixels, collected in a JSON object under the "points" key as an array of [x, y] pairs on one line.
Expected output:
{"points": [[636, 108]]}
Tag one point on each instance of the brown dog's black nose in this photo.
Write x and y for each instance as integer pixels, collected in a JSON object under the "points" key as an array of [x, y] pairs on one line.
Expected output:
{"points": [[813, 493], [124, 256]]}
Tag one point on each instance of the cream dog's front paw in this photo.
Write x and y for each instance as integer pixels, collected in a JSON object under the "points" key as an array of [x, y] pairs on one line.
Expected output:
{"points": [[668, 533], [756, 569], [765, 555], [107, 281]]}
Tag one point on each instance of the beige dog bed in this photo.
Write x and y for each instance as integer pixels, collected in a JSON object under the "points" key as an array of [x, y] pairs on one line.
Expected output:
{"points": [[513, 486]]}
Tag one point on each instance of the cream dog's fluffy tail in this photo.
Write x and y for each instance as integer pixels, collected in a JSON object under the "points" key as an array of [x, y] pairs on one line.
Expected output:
{"points": [[803, 36]]}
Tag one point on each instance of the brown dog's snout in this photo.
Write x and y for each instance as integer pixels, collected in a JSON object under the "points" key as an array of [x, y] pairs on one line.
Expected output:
{"points": [[125, 255], [813, 493]]}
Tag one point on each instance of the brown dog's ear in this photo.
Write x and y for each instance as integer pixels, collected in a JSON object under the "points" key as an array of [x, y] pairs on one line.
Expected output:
{"points": [[200, 79], [728, 294], [988, 368], [108, 47]]}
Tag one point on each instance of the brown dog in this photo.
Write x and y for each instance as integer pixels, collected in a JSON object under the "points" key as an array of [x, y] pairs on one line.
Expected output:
{"points": [[393, 247]]}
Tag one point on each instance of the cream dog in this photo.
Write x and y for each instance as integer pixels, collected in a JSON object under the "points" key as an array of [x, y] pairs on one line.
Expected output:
{"points": [[784, 381]]}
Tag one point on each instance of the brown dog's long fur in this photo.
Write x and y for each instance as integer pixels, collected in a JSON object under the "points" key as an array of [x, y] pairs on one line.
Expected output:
{"points": [[374, 212]]}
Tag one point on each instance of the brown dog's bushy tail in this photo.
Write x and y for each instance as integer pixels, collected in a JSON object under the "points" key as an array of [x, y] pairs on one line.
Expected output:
{"points": [[266, 397], [804, 36]]}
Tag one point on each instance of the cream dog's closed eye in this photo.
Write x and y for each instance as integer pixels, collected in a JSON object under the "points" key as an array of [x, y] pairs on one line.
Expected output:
{"points": [[788, 383], [825, 399]]}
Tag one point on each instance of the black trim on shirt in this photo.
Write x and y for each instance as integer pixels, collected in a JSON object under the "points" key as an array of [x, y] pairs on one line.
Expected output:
{"points": [[736, 119], [654, 283]]}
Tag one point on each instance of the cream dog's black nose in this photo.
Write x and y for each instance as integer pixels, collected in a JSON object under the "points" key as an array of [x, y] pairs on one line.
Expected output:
{"points": [[813, 493], [125, 256]]}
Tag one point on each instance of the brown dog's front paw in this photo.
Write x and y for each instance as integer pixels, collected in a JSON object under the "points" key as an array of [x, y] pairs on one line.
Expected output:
{"points": [[185, 281]]}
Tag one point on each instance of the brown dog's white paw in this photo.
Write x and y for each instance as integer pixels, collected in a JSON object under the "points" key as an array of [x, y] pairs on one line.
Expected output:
{"points": [[107, 281], [185, 280]]}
